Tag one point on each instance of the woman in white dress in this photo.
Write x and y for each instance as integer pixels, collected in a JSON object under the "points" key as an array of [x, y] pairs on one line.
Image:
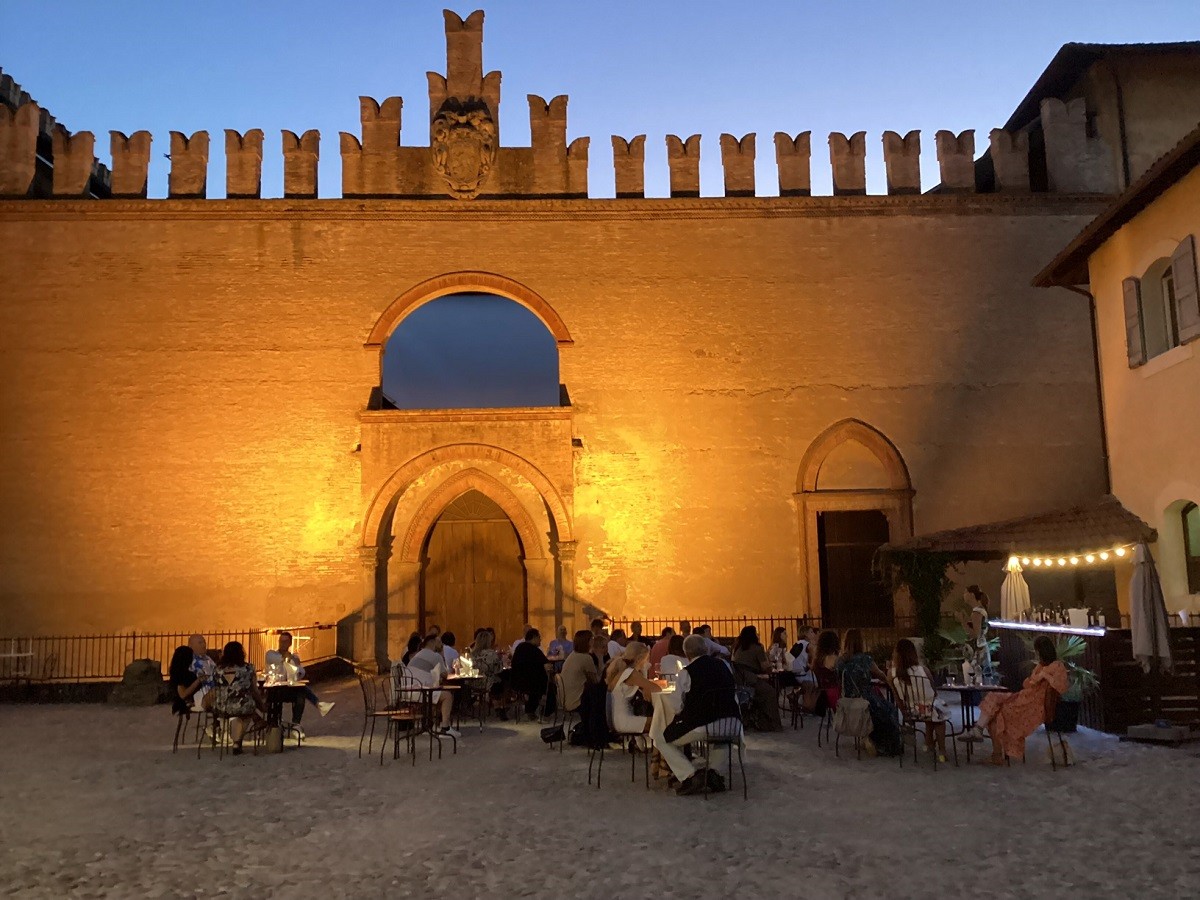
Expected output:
{"points": [[626, 676]]}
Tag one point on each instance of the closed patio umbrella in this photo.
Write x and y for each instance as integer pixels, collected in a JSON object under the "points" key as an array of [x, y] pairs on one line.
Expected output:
{"points": [[1148, 613], [1014, 593]]}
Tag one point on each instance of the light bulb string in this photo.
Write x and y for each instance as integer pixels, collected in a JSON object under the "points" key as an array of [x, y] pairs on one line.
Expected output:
{"points": [[1065, 560]]}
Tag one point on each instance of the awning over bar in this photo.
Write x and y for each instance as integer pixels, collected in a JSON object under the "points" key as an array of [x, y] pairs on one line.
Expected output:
{"points": [[1078, 530]]}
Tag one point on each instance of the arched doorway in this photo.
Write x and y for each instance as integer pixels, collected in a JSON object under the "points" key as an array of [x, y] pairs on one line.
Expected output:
{"points": [[473, 570], [854, 494]]}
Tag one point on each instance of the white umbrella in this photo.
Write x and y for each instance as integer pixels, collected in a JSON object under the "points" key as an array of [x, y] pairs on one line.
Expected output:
{"points": [[1014, 593], [1148, 613]]}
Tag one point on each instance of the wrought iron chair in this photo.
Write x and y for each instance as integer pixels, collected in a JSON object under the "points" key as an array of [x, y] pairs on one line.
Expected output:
{"points": [[633, 742], [918, 717], [409, 712], [1050, 714], [727, 733], [563, 716], [371, 686]]}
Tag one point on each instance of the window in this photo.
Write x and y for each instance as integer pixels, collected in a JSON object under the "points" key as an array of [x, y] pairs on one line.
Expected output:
{"points": [[1191, 546], [1162, 309]]}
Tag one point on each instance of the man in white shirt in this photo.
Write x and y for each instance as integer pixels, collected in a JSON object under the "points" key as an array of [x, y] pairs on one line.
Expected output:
{"points": [[428, 667], [712, 647], [449, 654], [519, 641], [284, 660], [616, 645]]}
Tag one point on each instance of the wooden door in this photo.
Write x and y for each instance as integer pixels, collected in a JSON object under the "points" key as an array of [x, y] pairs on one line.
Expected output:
{"points": [[851, 594], [474, 576]]}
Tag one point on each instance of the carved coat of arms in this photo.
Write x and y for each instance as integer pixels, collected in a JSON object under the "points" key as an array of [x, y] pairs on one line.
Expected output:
{"points": [[463, 141]]}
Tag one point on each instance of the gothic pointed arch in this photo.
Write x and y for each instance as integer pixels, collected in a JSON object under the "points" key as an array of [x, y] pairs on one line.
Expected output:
{"points": [[384, 501], [408, 549], [842, 432]]}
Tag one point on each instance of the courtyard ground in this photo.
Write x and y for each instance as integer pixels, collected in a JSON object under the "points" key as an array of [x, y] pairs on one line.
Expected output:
{"points": [[93, 804]]}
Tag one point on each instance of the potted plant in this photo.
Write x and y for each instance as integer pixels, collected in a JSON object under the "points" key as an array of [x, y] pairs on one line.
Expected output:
{"points": [[1081, 681]]}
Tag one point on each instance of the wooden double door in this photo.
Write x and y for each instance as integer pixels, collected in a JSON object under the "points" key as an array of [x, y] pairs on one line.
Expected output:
{"points": [[852, 595], [474, 574]]}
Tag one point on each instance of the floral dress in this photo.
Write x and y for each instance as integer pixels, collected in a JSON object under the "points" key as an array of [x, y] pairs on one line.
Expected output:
{"points": [[1014, 717], [487, 666], [235, 691]]}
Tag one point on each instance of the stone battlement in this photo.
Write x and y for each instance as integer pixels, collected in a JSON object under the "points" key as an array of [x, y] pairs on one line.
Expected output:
{"points": [[464, 158]]}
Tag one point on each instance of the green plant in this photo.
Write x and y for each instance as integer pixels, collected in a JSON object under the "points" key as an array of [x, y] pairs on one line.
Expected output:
{"points": [[1081, 680], [926, 577]]}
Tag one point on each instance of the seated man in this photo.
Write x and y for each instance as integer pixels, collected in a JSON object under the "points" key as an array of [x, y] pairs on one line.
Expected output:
{"points": [[204, 667], [283, 658], [532, 673], [661, 647], [709, 695], [428, 668], [712, 647]]}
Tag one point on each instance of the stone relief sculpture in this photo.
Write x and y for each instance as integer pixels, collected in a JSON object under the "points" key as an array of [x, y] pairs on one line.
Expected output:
{"points": [[463, 140]]}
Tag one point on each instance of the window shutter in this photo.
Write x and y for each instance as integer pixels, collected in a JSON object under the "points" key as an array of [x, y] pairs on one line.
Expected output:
{"points": [[1187, 297], [1135, 342]]}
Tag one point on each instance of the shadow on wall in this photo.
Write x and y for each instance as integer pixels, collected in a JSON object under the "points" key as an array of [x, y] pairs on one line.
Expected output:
{"points": [[471, 351]]}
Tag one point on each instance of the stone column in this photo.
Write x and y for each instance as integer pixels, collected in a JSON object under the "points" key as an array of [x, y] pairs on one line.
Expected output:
{"points": [[543, 611], [402, 606], [565, 551], [365, 643]]}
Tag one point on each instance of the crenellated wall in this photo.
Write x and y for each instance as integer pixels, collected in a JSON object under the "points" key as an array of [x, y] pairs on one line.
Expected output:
{"points": [[464, 158]]}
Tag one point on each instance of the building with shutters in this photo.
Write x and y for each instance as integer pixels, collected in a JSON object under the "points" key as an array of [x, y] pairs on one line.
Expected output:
{"points": [[1138, 261], [752, 392]]}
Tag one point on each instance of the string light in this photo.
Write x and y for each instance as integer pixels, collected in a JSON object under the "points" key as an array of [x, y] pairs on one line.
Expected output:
{"points": [[1051, 561]]}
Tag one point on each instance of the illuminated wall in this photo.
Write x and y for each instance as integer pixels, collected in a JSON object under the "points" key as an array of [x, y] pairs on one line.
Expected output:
{"points": [[181, 383]]}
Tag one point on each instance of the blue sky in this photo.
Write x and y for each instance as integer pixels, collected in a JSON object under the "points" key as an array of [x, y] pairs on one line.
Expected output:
{"points": [[629, 68]]}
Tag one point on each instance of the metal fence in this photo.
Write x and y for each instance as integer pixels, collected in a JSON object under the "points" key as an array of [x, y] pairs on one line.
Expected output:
{"points": [[726, 628], [103, 657]]}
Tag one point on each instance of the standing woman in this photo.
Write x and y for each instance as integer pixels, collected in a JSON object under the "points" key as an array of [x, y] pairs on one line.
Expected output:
{"points": [[977, 630], [626, 675]]}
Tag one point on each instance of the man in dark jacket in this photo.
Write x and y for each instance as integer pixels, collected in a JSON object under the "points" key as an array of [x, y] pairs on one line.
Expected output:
{"points": [[531, 673], [709, 696]]}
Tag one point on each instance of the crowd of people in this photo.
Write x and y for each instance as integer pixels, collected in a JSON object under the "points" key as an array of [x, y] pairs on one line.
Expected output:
{"points": [[607, 680]]}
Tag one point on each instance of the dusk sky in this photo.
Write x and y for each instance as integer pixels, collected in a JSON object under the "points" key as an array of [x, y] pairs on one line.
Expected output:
{"points": [[629, 68]]}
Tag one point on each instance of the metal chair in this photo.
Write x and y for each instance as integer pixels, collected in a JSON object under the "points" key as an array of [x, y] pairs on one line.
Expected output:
{"points": [[727, 733], [627, 741], [918, 717], [563, 716], [408, 713], [373, 710], [1050, 713]]}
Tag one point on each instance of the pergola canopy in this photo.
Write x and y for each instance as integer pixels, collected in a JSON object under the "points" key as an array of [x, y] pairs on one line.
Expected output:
{"points": [[1078, 530]]}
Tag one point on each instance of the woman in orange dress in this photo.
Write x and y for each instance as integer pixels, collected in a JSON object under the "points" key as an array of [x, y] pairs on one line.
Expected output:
{"points": [[1011, 718]]}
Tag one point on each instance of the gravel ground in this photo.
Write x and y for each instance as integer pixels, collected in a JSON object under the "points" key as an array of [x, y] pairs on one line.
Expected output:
{"points": [[93, 804]]}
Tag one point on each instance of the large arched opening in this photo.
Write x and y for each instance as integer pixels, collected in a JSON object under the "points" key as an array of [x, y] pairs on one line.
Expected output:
{"points": [[853, 495], [463, 537]]}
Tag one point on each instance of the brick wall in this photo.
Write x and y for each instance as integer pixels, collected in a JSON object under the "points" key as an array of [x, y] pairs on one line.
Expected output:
{"points": [[180, 384]]}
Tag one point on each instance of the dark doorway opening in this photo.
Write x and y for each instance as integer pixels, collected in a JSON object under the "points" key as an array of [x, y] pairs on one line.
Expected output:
{"points": [[852, 596]]}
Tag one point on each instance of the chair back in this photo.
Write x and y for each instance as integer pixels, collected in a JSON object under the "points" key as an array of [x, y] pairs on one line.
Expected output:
{"points": [[368, 684], [723, 731], [1050, 707], [915, 699]]}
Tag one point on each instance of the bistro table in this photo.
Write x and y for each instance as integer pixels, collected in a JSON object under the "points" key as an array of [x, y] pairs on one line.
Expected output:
{"points": [[472, 689], [965, 692], [277, 695], [422, 725]]}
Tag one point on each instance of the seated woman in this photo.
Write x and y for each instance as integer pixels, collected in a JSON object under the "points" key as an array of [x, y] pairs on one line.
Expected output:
{"points": [[781, 659], [413, 648], [674, 661], [485, 660], [824, 662], [626, 675], [182, 681], [1011, 718], [913, 689], [237, 695], [855, 669], [750, 666]]}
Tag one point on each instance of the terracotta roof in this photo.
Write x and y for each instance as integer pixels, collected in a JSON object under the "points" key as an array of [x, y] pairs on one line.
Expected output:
{"points": [[1069, 267], [1097, 526], [1071, 62]]}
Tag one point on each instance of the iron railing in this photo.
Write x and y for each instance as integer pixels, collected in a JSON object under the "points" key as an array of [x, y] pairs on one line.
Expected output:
{"points": [[726, 628], [103, 657]]}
